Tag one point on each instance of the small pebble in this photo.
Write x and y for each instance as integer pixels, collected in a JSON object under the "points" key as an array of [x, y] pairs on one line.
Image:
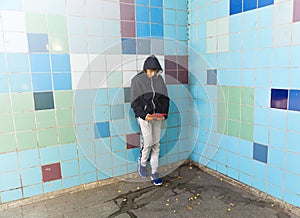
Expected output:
{"points": [[228, 209], [119, 191], [124, 199]]}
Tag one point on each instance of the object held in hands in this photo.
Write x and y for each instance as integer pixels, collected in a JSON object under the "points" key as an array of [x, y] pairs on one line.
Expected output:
{"points": [[157, 115]]}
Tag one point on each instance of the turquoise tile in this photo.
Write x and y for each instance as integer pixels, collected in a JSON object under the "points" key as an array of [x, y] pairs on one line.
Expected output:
{"points": [[105, 174], [277, 138], [260, 170], [84, 132], [116, 96], [275, 191], [118, 143], [4, 82], [169, 4], [29, 158], [31, 176], [281, 56], [9, 162], [233, 160], [11, 195], [101, 97], [263, 78], [293, 119], [292, 198], [292, 142], [119, 159], [233, 173], [248, 78], [86, 148], [19, 82], [52, 186], [222, 8], [117, 127], [9, 180], [71, 182], [88, 178], [212, 8], [280, 78], [102, 146], [291, 182], [275, 176], [261, 134], [68, 152], [264, 38], [249, 59], [49, 155], [265, 17], [251, 38], [69, 168], [246, 179], [259, 184], [83, 115], [33, 190], [87, 165], [117, 112], [249, 20], [291, 162], [278, 118], [264, 58], [21, 59], [295, 54], [246, 166], [261, 116], [104, 161]]}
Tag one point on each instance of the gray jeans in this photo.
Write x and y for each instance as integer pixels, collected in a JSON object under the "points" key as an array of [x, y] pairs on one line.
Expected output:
{"points": [[150, 142]]}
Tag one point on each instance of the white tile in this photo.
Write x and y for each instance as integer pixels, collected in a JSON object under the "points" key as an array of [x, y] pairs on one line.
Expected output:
{"points": [[113, 63], [111, 10], [296, 33], [13, 21], [78, 44], [1, 27], [93, 8], [15, 42], [55, 7], [129, 62], [282, 35], [76, 7], [127, 76], [2, 48], [79, 62], [80, 80], [140, 61], [38, 6], [98, 80], [211, 28], [223, 43], [76, 25], [283, 13], [211, 45], [161, 60], [223, 26], [97, 63]]}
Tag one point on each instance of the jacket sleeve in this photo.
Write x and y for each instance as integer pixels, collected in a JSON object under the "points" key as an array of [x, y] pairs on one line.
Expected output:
{"points": [[164, 99], [139, 107]]}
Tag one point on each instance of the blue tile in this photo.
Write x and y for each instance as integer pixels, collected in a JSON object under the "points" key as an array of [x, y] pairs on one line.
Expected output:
{"points": [[101, 97], [11, 195], [169, 4], [129, 45], [181, 18], [233, 173], [9, 162], [4, 81], [142, 14], [246, 165], [181, 5], [69, 168], [101, 113], [102, 130], [260, 152], [277, 138], [293, 121], [107, 173], [275, 176], [294, 100], [87, 165], [20, 82], [41, 82], [262, 97], [249, 58], [292, 161], [104, 161], [15, 5], [235, 77], [68, 151], [121, 170], [279, 98], [260, 170], [9, 180], [170, 32], [117, 127], [263, 3], [235, 6], [142, 2], [169, 16], [248, 78], [295, 54], [265, 17], [263, 78], [172, 134], [116, 96], [43, 100], [279, 78], [156, 15], [86, 148], [261, 116], [222, 156], [291, 182], [117, 112], [52, 186], [29, 158], [245, 179], [233, 144], [71, 181], [40, 63], [21, 59], [157, 3], [264, 38], [181, 33], [157, 30], [142, 30], [119, 158], [60, 63], [278, 118], [31, 176], [49, 155], [233, 160], [118, 143], [37, 42], [62, 81], [88, 178], [34, 190], [249, 5], [264, 59]]}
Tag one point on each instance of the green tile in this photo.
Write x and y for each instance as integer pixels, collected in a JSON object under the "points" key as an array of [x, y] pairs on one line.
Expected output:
{"points": [[45, 119], [246, 131], [6, 123], [57, 24], [248, 96], [222, 110], [222, 126], [235, 95], [5, 104], [115, 79], [64, 117], [66, 135], [58, 43], [234, 112], [63, 99], [36, 23], [26, 140], [47, 137], [7, 142], [22, 102], [234, 128], [223, 93], [24, 121], [247, 114]]}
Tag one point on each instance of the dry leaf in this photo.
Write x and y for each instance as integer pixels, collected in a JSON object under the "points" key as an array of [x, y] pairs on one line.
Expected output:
{"points": [[189, 207], [231, 204]]}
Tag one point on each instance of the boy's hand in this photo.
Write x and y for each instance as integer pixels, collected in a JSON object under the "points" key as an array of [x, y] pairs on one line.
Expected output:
{"points": [[160, 118], [148, 117]]}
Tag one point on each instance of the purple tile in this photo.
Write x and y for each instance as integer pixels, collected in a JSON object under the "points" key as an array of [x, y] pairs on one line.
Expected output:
{"points": [[157, 46], [128, 29], [183, 77], [296, 10], [127, 12], [143, 46], [294, 100], [133, 140], [127, 1], [279, 98], [51, 172], [182, 62], [170, 62], [171, 76]]}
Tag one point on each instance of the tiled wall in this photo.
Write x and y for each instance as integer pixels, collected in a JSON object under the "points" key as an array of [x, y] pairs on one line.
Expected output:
{"points": [[65, 70], [249, 80]]}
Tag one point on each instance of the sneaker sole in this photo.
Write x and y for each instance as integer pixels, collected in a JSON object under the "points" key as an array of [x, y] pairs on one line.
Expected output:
{"points": [[159, 184]]}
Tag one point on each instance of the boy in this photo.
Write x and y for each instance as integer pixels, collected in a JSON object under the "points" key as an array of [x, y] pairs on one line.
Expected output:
{"points": [[150, 103]]}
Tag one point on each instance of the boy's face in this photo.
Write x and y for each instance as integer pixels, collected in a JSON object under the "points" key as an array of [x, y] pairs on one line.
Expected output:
{"points": [[151, 73]]}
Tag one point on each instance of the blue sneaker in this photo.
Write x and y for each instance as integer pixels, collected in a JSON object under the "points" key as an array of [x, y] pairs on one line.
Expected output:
{"points": [[155, 179], [142, 171]]}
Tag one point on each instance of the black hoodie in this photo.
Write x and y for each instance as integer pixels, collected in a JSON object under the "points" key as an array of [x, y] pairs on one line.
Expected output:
{"points": [[149, 95]]}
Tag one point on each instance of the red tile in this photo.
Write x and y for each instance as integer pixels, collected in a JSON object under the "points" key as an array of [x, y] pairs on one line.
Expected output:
{"points": [[127, 29], [171, 76], [170, 62], [296, 10], [127, 12], [51, 172], [183, 77], [133, 140]]}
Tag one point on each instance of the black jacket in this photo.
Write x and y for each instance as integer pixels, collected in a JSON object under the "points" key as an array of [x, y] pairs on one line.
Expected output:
{"points": [[149, 95]]}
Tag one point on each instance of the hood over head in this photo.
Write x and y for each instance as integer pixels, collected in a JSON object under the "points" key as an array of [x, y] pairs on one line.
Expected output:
{"points": [[152, 63]]}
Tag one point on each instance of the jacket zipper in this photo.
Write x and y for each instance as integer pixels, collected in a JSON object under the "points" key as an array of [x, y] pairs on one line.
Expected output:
{"points": [[153, 95]]}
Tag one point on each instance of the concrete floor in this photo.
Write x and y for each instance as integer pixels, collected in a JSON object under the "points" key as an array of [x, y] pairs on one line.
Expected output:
{"points": [[187, 192]]}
